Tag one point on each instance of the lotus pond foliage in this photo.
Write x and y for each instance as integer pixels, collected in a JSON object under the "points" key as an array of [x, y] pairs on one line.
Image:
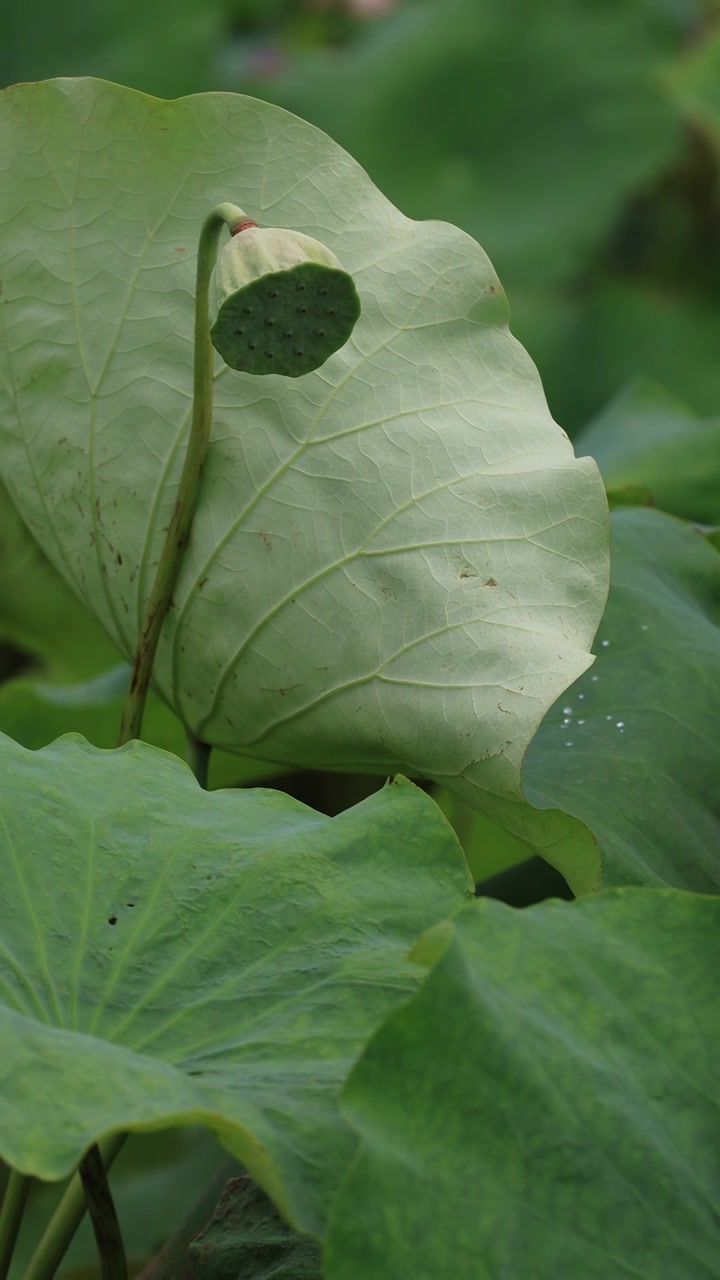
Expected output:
{"points": [[359, 818]]}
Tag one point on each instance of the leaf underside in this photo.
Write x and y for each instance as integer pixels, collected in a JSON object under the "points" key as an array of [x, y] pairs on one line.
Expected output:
{"points": [[396, 563]]}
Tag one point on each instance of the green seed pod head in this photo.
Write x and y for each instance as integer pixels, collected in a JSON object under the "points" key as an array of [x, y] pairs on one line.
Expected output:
{"points": [[284, 303]]}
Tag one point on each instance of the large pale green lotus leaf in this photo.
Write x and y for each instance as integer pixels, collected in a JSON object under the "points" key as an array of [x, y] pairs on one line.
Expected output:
{"points": [[546, 1105], [76, 682], [632, 748], [171, 956], [397, 562]]}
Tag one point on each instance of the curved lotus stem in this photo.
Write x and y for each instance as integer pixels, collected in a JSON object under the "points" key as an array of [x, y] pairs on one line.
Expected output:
{"points": [[284, 305], [225, 215]]}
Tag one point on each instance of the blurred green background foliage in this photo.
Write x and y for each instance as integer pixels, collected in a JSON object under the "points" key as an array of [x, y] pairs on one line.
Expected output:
{"points": [[578, 142]]}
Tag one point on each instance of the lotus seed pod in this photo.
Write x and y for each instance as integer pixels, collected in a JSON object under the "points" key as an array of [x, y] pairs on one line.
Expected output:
{"points": [[284, 303]]}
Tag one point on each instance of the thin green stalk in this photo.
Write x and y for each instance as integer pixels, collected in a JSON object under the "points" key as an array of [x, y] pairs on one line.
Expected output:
{"points": [[16, 1194], [66, 1219], [224, 215], [108, 1236]]}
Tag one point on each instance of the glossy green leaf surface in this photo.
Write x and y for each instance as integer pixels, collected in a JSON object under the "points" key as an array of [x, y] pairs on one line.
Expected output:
{"points": [[177, 956], [397, 562], [645, 438], [632, 749], [563, 1121]]}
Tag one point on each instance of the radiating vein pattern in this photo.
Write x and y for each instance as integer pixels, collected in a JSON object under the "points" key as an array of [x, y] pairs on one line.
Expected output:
{"points": [[362, 530], [179, 956]]}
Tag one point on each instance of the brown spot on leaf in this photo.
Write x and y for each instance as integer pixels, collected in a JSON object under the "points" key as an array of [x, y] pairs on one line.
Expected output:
{"points": [[490, 582]]}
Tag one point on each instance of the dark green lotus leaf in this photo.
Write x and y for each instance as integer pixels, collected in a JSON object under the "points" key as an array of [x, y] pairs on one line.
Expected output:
{"points": [[176, 957], [246, 1239], [547, 1104], [632, 749], [653, 451]]}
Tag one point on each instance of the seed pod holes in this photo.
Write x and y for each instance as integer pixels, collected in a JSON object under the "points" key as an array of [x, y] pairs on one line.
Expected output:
{"points": [[268, 278]]}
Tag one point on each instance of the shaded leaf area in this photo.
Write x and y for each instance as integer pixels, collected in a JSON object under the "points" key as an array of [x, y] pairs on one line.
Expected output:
{"points": [[632, 749], [630, 495], [39, 613], [155, 1181], [396, 563], [562, 1122], [500, 118], [71, 677], [183, 957], [489, 849], [524, 883], [647, 443], [246, 1239], [35, 712]]}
